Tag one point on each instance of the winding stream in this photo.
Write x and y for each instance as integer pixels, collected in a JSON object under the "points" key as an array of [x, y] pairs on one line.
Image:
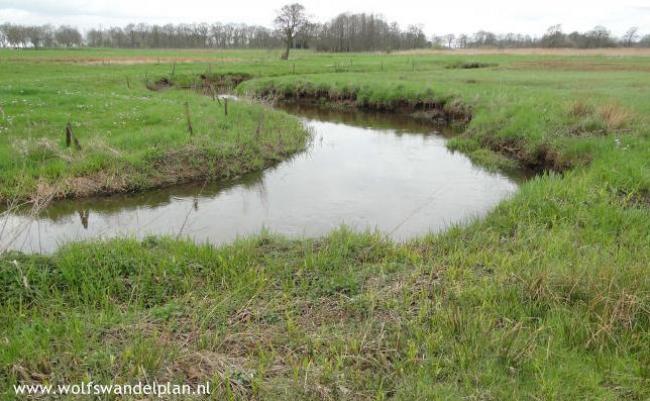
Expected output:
{"points": [[368, 171]]}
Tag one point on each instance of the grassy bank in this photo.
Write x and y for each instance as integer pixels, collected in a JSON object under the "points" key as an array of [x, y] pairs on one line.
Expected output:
{"points": [[541, 120], [548, 298], [130, 137]]}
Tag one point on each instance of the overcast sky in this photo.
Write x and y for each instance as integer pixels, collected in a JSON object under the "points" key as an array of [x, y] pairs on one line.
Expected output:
{"points": [[437, 16]]}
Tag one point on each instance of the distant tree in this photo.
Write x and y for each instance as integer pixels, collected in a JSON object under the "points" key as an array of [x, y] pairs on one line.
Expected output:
{"points": [[344, 33], [15, 35], [47, 40], [450, 40], [630, 37], [483, 39], [645, 41], [95, 38], [305, 35], [437, 41], [554, 37], [576, 39], [68, 36], [599, 37], [462, 41], [290, 19], [40, 36], [415, 37]]}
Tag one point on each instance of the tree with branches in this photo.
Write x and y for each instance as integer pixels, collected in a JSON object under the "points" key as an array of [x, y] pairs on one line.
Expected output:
{"points": [[631, 36], [290, 19]]}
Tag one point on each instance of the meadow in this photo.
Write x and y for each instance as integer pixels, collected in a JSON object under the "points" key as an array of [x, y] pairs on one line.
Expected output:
{"points": [[547, 298]]}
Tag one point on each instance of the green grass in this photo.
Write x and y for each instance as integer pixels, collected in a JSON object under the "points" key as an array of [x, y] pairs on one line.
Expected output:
{"points": [[131, 138], [547, 298]]}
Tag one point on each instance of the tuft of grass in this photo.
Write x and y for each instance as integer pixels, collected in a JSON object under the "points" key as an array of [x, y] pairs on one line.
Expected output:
{"points": [[580, 109], [615, 116]]}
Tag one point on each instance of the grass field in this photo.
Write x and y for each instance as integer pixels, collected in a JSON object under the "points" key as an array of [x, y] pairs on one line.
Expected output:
{"points": [[547, 298], [131, 137]]}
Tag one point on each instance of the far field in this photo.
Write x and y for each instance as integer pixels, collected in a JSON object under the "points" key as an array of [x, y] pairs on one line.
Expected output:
{"points": [[548, 298]]}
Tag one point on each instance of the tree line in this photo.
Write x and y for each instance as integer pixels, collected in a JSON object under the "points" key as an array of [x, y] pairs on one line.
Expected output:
{"points": [[344, 33], [554, 37], [37, 36]]}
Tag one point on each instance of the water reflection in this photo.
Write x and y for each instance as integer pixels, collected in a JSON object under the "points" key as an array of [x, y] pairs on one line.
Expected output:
{"points": [[369, 171]]}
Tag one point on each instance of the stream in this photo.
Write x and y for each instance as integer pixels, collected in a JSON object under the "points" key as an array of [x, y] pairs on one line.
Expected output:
{"points": [[369, 171]]}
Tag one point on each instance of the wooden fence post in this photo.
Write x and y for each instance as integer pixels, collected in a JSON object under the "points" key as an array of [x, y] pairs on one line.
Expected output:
{"points": [[190, 129], [68, 135]]}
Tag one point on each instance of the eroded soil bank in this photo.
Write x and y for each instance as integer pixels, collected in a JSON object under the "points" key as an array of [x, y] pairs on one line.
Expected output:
{"points": [[498, 154], [494, 151]]}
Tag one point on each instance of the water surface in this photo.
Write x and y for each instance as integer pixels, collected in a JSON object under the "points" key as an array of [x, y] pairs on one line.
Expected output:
{"points": [[367, 171]]}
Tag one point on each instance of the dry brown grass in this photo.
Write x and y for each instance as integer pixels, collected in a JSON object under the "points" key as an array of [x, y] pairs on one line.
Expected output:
{"points": [[155, 60], [580, 108], [126, 60], [201, 366], [614, 115]]}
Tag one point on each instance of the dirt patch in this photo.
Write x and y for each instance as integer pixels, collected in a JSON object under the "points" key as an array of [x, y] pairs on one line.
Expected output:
{"points": [[161, 84], [221, 83], [176, 167], [434, 111], [199, 366], [636, 199], [101, 183], [207, 83], [468, 65], [542, 158]]}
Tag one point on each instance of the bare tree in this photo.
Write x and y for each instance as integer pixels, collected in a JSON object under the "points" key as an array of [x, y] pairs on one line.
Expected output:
{"points": [[554, 37], [450, 40], [40, 35], [599, 37], [645, 41], [15, 35], [631, 36], [291, 18], [462, 41], [68, 36]]}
